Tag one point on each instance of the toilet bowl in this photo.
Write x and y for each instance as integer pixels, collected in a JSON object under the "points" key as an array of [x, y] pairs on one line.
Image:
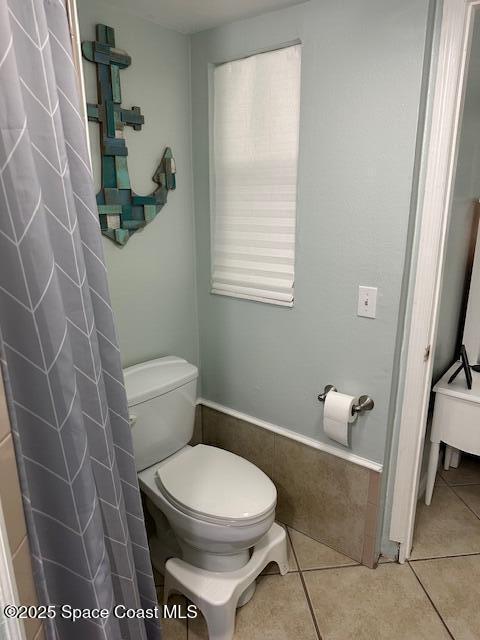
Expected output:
{"points": [[217, 505]]}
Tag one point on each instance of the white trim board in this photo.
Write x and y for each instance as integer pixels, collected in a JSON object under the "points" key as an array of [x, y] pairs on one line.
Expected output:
{"points": [[293, 435], [426, 281]]}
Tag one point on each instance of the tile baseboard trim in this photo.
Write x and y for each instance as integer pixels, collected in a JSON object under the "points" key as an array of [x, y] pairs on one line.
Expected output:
{"points": [[288, 433]]}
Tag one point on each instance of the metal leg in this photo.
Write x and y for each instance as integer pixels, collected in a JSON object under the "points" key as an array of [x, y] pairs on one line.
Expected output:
{"points": [[432, 471]]}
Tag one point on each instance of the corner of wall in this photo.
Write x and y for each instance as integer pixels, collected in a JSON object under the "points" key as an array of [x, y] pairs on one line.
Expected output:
{"points": [[194, 222]]}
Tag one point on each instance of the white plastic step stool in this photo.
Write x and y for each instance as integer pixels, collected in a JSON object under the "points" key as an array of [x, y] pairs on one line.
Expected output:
{"points": [[217, 594]]}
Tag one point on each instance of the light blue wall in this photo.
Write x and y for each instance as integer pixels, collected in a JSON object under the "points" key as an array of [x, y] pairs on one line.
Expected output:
{"points": [[467, 188], [361, 95], [152, 281]]}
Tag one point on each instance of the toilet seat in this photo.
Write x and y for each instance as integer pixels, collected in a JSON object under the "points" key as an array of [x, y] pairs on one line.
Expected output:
{"points": [[216, 486]]}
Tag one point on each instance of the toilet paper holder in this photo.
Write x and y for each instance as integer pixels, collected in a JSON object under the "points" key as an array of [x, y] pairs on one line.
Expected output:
{"points": [[365, 403]]}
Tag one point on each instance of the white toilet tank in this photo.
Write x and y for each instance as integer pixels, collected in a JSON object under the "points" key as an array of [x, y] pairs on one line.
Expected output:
{"points": [[161, 401]]}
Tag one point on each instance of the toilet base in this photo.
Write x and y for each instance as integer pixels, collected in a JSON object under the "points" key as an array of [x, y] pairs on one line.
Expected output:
{"points": [[217, 562], [218, 594]]}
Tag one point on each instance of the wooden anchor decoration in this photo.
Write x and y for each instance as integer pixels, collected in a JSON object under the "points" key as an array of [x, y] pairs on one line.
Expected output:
{"points": [[120, 209]]}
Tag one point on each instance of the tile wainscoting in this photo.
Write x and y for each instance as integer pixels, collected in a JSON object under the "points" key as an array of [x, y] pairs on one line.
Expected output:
{"points": [[332, 500]]}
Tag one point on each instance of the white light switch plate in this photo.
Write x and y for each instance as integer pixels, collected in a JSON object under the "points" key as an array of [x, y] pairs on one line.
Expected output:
{"points": [[367, 302]]}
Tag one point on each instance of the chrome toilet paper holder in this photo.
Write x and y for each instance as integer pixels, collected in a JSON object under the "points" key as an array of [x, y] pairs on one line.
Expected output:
{"points": [[365, 403]]}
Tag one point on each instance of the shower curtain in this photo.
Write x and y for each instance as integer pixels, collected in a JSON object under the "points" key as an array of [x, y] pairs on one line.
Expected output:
{"points": [[58, 345]]}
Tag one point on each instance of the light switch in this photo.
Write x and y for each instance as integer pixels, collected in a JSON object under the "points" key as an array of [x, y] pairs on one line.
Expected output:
{"points": [[367, 302]]}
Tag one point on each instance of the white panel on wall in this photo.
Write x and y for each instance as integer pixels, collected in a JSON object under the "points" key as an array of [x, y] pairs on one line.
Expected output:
{"points": [[256, 108]]}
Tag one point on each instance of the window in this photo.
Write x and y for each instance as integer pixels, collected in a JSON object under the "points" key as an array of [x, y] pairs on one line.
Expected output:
{"points": [[256, 108]]}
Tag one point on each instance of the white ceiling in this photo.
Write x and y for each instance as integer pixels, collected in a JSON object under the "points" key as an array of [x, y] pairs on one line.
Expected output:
{"points": [[190, 16]]}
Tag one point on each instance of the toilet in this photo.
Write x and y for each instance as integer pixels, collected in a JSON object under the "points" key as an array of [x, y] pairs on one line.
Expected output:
{"points": [[213, 510]]}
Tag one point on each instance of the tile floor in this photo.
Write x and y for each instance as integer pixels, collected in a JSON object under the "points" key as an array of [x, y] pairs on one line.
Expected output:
{"points": [[328, 596]]}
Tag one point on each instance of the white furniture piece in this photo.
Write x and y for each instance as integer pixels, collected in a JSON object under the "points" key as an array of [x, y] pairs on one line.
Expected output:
{"points": [[217, 594], [210, 507], [456, 420]]}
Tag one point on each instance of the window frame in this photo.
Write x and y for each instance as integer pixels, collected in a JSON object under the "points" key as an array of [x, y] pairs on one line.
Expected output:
{"points": [[212, 178]]}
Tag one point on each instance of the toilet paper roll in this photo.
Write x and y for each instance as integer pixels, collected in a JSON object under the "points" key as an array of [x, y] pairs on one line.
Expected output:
{"points": [[338, 415]]}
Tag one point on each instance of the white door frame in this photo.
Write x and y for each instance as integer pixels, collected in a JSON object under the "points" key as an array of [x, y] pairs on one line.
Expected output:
{"points": [[447, 106]]}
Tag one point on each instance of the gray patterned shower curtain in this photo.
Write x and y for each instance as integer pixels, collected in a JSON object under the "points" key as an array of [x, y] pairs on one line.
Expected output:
{"points": [[58, 345]]}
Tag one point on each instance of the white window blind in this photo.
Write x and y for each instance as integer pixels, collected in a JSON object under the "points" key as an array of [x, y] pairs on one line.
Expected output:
{"points": [[256, 109]]}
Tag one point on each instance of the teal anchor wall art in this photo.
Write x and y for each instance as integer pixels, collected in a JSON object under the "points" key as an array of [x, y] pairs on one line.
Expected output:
{"points": [[120, 209]]}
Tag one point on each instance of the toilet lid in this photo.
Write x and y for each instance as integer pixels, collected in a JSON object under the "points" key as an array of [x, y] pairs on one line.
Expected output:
{"points": [[216, 485]]}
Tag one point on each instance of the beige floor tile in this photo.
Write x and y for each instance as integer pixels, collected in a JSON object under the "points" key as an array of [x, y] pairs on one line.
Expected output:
{"points": [[467, 473], [277, 611], [447, 527], [385, 560], [315, 555], [453, 584], [470, 494], [356, 603], [174, 628], [439, 481], [272, 568]]}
